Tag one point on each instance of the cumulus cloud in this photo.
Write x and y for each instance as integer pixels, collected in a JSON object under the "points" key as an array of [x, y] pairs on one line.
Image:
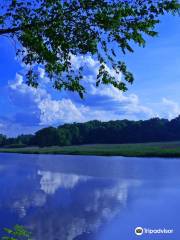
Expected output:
{"points": [[171, 108], [127, 106], [40, 102], [91, 66], [64, 110], [42, 106]]}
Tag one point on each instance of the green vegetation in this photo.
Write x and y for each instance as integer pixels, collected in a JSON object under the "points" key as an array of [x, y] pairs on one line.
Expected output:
{"points": [[96, 132], [49, 33], [17, 233], [168, 149]]}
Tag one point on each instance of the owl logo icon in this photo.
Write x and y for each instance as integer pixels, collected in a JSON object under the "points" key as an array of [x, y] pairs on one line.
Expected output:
{"points": [[139, 231]]}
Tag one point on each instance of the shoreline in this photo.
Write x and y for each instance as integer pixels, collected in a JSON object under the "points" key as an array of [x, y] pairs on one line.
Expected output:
{"points": [[165, 149]]}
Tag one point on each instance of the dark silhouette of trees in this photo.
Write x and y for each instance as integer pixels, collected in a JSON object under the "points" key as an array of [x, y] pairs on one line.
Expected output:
{"points": [[2, 140], [94, 132], [46, 137]]}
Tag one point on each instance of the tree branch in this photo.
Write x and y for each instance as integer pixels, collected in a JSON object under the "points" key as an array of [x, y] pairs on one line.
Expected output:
{"points": [[10, 30]]}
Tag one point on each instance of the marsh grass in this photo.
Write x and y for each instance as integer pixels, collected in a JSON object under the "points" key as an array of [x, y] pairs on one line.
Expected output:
{"points": [[165, 149]]}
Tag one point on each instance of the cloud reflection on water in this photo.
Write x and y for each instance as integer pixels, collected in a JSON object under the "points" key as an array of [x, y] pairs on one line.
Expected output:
{"points": [[77, 205], [55, 200], [51, 181]]}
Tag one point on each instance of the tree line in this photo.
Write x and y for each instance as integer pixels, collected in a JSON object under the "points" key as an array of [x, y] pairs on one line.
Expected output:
{"points": [[97, 132]]}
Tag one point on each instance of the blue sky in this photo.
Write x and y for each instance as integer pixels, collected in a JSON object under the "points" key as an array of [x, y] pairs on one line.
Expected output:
{"points": [[155, 92]]}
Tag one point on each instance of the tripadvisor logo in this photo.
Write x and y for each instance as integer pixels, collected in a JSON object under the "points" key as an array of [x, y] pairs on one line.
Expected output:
{"points": [[139, 231]]}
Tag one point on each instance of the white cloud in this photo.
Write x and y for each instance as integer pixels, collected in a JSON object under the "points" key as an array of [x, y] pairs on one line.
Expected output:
{"points": [[51, 111], [171, 108], [92, 66], [102, 103], [41, 72], [116, 105], [129, 104], [63, 110], [78, 61]]}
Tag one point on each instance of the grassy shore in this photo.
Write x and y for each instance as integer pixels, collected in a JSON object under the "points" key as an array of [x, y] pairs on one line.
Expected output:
{"points": [[167, 149]]}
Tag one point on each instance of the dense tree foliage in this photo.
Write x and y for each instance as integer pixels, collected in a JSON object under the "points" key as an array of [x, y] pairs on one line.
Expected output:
{"points": [[93, 132], [46, 136], [17, 233], [49, 32], [2, 140], [20, 141]]}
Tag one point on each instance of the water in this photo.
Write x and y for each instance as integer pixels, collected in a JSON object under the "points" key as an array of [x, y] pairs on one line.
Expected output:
{"points": [[90, 198]]}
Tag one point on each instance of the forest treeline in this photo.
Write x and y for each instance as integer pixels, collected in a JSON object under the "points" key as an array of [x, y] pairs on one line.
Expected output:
{"points": [[94, 132]]}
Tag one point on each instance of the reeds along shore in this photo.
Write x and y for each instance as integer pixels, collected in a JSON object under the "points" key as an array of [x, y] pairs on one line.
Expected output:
{"points": [[165, 149]]}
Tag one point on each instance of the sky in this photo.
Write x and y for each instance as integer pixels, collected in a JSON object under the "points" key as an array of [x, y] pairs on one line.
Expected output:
{"points": [[154, 93]]}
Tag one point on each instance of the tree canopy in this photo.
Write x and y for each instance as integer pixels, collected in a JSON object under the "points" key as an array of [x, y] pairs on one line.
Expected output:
{"points": [[97, 132], [17, 233], [50, 32]]}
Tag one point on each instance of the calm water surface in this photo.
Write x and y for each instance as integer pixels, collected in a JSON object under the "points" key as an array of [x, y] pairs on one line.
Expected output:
{"points": [[90, 198]]}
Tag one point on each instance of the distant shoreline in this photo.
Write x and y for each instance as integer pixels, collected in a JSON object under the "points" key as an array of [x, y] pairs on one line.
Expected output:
{"points": [[160, 149]]}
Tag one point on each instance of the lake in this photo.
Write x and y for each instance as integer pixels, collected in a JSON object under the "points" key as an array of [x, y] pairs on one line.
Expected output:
{"points": [[90, 198]]}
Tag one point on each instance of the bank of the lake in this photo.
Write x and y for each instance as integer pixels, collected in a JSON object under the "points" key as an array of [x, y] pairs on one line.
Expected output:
{"points": [[166, 149]]}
